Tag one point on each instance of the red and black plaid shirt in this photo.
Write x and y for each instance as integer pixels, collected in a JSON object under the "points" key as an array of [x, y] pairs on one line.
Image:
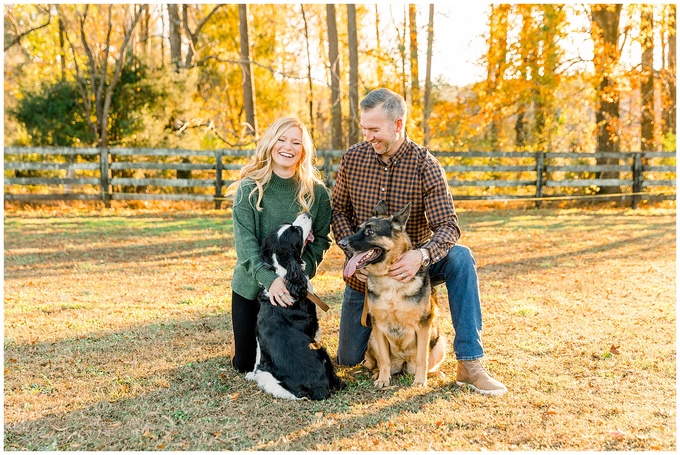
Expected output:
{"points": [[412, 175]]}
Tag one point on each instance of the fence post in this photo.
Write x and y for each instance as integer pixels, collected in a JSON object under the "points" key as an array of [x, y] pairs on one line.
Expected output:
{"points": [[540, 169], [104, 176], [218, 178], [637, 178]]}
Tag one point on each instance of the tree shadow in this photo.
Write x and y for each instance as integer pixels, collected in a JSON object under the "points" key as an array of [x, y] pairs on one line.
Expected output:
{"points": [[115, 393]]}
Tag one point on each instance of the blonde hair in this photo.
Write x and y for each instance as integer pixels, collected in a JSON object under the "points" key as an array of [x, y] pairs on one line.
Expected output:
{"points": [[259, 168]]}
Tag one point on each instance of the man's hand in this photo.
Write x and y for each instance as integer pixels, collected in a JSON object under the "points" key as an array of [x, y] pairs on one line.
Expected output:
{"points": [[361, 275], [407, 266]]}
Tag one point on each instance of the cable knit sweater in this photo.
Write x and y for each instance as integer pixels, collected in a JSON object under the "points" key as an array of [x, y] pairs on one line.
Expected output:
{"points": [[251, 226]]}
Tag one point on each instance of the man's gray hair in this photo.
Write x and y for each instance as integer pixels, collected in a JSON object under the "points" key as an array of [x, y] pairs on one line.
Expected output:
{"points": [[393, 104]]}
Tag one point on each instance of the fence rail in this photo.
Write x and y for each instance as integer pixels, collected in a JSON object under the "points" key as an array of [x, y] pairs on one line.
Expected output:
{"points": [[106, 174]]}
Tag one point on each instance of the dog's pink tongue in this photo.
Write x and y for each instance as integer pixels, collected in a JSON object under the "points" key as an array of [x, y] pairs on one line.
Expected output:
{"points": [[351, 266], [310, 237]]}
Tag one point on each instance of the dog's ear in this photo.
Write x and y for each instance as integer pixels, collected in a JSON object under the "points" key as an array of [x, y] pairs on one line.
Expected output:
{"points": [[399, 219], [380, 209], [266, 252], [296, 280]]}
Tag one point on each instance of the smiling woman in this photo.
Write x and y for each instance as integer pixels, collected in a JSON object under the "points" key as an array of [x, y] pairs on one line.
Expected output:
{"points": [[279, 182], [287, 152]]}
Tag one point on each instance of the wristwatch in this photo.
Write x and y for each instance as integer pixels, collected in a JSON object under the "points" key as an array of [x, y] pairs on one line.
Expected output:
{"points": [[426, 257]]}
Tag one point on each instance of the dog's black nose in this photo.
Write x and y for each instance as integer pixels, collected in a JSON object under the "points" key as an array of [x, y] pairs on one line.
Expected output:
{"points": [[343, 242]]}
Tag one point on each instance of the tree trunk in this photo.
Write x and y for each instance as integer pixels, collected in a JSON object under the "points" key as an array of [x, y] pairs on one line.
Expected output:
{"points": [[334, 56], [248, 90], [647, 78], [605, 33], [62, 51], [528, 73], [498, 49], [413, 61], [428, 77], [546, 85], [353, 134], [402, 54], [379, 70], [310, 89], [671, 110], [175, 35]]}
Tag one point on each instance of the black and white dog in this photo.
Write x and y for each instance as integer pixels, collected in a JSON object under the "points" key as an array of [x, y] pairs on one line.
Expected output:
{"points": [[291, 363]]}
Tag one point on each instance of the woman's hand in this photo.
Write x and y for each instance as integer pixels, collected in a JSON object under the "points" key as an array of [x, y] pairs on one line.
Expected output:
{"points": [[278, 294]]}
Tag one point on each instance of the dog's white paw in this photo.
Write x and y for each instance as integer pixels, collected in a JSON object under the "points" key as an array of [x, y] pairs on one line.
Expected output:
{"points": [[420, 383]]}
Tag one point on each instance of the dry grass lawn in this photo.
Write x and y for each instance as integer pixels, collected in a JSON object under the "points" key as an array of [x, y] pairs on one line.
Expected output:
{"points": [[117, 325]]}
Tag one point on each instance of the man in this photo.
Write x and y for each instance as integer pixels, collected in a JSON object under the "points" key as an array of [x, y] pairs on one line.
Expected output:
{"points": [[388, 166]]}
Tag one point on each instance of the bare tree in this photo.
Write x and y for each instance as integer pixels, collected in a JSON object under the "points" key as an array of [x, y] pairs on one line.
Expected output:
{"points": [[98, 84], [353, 134], [334, 57], [428, 76], [194, 34], [379, 69], [310, 86], [248, 88]]}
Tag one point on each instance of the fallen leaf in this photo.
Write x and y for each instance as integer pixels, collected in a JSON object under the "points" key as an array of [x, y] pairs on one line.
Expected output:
{"points": [[614, 349], [617, 434]]}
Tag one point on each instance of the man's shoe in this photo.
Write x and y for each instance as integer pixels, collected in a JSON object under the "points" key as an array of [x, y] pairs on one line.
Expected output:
{"points": [[473, 374]]}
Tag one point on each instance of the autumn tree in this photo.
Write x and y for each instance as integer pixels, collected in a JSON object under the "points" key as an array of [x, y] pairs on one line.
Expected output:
{"points": [[175, 36], [98, 80], [413, 60], [647, 77], [334, 64], [670, 72], [248, 91], [353, 133], [20, 22], [496, 68], [427, 107], [605, 35]]}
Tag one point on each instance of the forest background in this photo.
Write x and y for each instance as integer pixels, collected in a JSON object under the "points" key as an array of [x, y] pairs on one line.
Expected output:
{"points": [[207, 76]]}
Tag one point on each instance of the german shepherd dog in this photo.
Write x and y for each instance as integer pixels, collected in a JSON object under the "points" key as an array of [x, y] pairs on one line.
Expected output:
{"points": [[291, 363], [404, 333]]}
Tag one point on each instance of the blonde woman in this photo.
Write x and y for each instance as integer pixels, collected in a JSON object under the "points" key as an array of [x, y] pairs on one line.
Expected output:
{"points": [[279, 182]]}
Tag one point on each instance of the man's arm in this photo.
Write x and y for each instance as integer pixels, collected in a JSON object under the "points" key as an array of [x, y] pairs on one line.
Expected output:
{"points": [[342, 222], [441, 214]]}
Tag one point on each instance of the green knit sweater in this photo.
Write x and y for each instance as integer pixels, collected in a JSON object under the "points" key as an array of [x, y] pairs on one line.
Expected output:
{"points": [[251, 226]]}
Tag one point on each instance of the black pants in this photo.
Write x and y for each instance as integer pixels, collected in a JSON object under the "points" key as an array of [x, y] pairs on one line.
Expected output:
{"points": [[243, 320]]}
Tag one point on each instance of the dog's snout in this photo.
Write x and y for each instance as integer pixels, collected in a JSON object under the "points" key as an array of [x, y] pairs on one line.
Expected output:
{"points": [[344, 242]]}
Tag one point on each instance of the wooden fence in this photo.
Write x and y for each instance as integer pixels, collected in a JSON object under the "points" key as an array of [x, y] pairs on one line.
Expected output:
{"points": [[106, 174]]}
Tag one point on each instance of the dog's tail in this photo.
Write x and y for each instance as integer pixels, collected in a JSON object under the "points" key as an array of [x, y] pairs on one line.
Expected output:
{"points": [[437, 349]]}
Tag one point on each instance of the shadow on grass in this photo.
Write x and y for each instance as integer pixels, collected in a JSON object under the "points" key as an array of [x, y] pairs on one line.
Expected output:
{"points": [[640, 242], [203, 404]]}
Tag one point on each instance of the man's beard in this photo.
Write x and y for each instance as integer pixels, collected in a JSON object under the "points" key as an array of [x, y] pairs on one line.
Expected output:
{"points": [[387, 146]]}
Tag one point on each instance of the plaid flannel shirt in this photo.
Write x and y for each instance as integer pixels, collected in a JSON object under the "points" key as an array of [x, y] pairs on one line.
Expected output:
{"points": [[412, 175]]}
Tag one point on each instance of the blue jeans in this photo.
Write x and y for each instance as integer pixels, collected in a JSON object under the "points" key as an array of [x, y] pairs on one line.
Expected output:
{"points": [[459, 271]]}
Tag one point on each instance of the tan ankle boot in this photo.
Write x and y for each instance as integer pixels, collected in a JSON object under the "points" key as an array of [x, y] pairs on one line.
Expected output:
{"points": [[473, 374]]}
